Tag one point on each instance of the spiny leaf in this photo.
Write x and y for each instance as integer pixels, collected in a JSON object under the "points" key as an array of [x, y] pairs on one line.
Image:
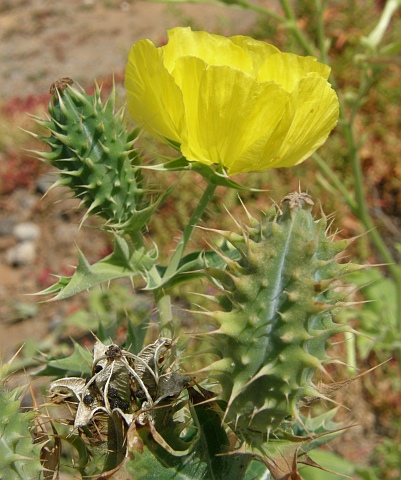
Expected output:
{"points": [[123, 262], [76, 365]]}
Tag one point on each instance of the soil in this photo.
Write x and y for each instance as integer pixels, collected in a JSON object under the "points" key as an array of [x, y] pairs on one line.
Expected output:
{"points": [[42, 40]]}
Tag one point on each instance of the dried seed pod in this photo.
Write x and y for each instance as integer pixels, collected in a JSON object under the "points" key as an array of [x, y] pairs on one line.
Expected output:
{"points": [[111, 373], [76, 389], [113, 352], [171, 385], [60, 85], [149, 361], [65, 389]]}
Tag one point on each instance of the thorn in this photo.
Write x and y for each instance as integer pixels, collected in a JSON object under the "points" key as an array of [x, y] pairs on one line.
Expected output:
{"points": [[212, 298], [105, 149]]}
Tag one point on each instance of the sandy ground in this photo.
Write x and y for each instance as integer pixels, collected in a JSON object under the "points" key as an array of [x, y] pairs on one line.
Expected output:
{"points": [[41, 40]]}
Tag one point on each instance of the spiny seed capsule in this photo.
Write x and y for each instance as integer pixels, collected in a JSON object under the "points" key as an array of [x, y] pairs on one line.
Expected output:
{"points": [[60, 85]]}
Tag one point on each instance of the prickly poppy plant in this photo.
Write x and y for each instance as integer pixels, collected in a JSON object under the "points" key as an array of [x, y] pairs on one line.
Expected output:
{"points": [[235, 102], [138, 410]]}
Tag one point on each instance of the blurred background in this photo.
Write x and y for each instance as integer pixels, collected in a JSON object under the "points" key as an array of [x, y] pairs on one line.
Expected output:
{"points": [[89, 40]]}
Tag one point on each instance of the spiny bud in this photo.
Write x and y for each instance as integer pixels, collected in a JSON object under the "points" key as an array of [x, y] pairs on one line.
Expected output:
{"points": [[274, 337], [94, 153]]}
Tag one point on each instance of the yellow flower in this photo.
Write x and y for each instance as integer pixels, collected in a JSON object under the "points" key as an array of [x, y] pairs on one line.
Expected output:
{"points": [[236, 102]]}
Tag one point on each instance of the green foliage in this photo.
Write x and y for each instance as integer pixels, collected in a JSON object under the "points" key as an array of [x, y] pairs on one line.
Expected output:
{"points": [[386, 460], [385, 464], [380, 294], [337, 466], [124, 261], [19, 458], [202, 455], [111, 310], [77, 364]]}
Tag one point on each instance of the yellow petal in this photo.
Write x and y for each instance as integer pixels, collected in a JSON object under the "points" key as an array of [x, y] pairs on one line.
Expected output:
{"points": [[213, 49], [258, 51], [154, 100], [232, 101], [229, 115], [311, 114], [287, 69]]}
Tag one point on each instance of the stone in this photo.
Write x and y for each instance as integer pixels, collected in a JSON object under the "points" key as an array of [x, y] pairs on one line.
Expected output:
{"points": [[26, 232], [23, 253]]}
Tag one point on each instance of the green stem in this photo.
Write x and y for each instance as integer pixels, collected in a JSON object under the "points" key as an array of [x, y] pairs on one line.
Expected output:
{"points": [[321, 38], [377, 34], [165, 314], [292, 25], [361, 212], [367, 81], [289, 22], [338, 184], [351, 353], [136, 238], [162, 298], [359, 207], [264, 11], [188, 230], [358, 204]]}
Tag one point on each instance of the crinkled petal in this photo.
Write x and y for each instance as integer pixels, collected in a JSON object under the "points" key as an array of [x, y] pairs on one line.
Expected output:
{"points": [[311, 114], [213, 49], [154, 100], [230, 116], [287, 69], [258, 51], [232, 101]]}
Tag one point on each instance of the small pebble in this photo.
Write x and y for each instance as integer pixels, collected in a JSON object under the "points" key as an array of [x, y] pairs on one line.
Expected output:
{"points": [[26, 232], [7, 226], [23, 253], [26, 201]]}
